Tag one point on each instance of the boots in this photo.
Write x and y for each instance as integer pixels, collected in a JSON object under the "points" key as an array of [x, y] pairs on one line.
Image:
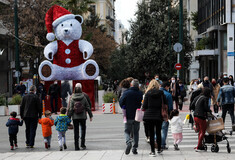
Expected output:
{"points": [[46, 145], [176, 147], [83, 144], [76, 146]]}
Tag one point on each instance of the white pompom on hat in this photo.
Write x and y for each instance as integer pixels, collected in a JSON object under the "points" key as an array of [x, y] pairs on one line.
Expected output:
{"points": [[78, 85], [54, 16]]}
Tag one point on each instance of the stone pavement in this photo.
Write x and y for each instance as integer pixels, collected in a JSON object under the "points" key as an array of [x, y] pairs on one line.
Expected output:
{"points": [[105, 141]]}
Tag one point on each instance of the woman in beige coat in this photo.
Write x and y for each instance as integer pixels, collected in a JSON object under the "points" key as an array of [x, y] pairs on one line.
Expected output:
{"points": [[216, 88]]}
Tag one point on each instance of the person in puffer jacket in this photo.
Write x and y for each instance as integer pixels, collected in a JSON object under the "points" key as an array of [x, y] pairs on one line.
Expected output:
{"points": [[62, 122], [47, 123], [176, 128], [13, 123]]}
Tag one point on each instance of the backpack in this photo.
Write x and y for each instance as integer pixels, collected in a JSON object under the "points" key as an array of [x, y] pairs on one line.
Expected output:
{"points": [[78, 107]]}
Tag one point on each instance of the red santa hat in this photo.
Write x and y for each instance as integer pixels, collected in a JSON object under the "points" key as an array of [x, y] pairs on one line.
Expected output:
{"points": [[54, 16]]}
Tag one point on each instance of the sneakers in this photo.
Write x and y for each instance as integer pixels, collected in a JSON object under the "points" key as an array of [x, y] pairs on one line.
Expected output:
{"points": [[16, 146], [159, 152], [12, 147], [148, 140], [61, 148], [152, 154], [134, 151], [49, 146], [65, 147], [200, 149], [176, 148], [128, 148], [31, 146], [83, 147], [77, 148], [164, 148]]}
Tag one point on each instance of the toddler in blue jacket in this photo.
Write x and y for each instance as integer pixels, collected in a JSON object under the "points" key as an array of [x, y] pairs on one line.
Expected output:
{"points": [[13, 124]]}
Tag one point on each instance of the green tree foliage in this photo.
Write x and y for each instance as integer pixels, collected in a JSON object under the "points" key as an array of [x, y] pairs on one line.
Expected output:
{"points": [[148, 48], [194, 18]]}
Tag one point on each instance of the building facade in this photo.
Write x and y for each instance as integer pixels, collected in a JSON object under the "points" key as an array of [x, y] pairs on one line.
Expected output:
{"points": [[216, 25], [120, 33]]}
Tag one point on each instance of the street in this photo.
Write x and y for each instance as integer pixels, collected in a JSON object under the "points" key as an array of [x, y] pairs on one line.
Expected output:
{"points": [[105, 140]]}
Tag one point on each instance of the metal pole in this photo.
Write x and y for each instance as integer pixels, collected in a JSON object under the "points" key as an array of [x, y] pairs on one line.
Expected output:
{"points": [[169, 36], [17, 64], [181, 39]]}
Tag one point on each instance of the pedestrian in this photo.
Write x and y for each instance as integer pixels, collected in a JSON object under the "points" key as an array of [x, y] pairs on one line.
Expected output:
{"points": [[153, 101], [193, 85], [132, 100], [124, 86], [13, 124], [62, 122], [79, 118], [47, 123], [65, 92], [175, 91], [216, 88], [200, 115], [182, 94], [157, 79], [21, 88], [226, 97], [165, 124], [30, 112], [231, 82], [176, 128], [54, 93]]}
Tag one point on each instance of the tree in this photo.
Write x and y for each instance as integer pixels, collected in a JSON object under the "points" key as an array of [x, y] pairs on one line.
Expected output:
{"points": [[149, 50], [32, 32]]}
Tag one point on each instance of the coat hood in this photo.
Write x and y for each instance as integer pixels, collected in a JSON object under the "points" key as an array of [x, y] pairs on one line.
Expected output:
{"points": [[45, 121], [77, 96], [62, 117], [175, 120]]}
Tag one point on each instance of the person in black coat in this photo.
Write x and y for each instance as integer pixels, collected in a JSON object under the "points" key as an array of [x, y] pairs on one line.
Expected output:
{"points": [[65, 91], [153, 101], [54, 92], [30, 112], [13, 123], [132, 100], [200, 115], [175, 92]]}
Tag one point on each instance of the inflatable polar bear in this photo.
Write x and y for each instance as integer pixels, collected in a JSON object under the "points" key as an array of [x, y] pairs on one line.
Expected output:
{"points": [[68, 52]]}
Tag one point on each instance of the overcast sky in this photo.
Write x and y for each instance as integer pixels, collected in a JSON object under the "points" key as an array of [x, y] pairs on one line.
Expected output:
{"points": [[125, 10]]}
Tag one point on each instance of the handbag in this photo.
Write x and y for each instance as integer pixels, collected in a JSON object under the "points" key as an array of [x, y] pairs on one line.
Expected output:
{"points": [[164, 111], [215, 125], [139, 114]]}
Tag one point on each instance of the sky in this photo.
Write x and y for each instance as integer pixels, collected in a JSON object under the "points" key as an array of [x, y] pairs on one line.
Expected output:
{"points": [[125, 10]]}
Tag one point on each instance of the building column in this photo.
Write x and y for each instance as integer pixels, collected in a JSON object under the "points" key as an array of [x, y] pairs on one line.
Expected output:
{"points": [[219, 53], [230, 49]]}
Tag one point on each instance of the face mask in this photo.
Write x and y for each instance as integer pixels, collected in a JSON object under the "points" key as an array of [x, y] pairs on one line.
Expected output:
{"points": [[206, 81], [213, 82], [195, 82], [173, 81], [55, 82], [157, 79], [180, 84]]}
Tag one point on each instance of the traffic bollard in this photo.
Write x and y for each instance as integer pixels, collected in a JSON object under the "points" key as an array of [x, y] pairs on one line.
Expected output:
{"points": [[43, 107], [114, 106]]}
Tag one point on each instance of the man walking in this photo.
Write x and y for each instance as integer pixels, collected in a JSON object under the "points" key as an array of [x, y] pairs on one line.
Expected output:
{"points": [[54, 92], [165, 125], [132, 100], [227, 94], [30, 112]]}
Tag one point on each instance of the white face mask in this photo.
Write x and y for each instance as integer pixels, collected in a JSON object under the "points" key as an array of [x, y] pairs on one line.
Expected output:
{"points": [[55, 82], [173, 81]]}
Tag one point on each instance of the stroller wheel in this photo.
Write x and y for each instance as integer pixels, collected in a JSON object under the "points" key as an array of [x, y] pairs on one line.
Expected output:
{"points": [[216, 148], [205, 147], [213, 148], [229, 149]]}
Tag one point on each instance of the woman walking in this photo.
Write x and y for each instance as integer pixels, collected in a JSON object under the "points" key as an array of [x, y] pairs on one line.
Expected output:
{"points": [[152, 105]]}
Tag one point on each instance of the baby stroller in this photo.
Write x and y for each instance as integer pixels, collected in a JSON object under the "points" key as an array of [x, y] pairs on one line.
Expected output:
{"points": [[213, 137]]}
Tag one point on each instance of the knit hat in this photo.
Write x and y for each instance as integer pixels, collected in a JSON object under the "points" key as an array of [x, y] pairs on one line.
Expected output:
{"points": [[54, 16]]}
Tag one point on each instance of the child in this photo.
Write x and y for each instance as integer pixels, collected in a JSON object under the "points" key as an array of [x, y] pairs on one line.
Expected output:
{"points": [[176, 128], [13, 124], [47, 123], [62, 121]]}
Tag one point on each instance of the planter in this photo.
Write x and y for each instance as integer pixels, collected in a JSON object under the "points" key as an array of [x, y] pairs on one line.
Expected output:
{"points": [[108, 108], [3, 110], [15, 108]]}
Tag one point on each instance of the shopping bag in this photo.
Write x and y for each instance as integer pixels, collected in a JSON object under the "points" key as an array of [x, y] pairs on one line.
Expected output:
{"points": [[214, 126], [139, 114], [186, 120]]}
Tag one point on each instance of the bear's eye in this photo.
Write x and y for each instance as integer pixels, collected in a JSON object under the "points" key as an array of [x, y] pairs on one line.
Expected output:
{"points": [[71, 24], [62, 25]]}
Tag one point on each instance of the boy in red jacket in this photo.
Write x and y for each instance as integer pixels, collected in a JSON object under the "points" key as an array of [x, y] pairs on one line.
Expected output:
{"points": [[46, 123]]}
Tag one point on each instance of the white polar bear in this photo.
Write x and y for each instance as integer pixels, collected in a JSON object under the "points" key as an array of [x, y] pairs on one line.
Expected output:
{"points": [[69, 54]]}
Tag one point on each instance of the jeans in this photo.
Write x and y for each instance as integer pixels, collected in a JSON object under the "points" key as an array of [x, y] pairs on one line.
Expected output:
{"points": [[132, 127], [47, 140], [61, 138], [76, 124], [164, 132], [228, 108], [64, 102], [31, 125], [155, 129], [201, 124], [56, 103], [13, 139]]}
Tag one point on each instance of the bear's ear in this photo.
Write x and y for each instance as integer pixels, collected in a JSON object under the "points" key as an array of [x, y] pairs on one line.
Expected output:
{"points": [[79, 18]]}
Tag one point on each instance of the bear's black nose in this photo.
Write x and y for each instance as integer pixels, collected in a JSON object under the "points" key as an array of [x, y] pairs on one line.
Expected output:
{"points": [[66, 30]]}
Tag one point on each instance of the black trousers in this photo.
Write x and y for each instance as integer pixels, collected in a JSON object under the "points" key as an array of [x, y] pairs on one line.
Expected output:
{"points": [[13, 139], [31, 125], [155, 127], [52, 98], [146, 129], [76, 124], [228, 108]]}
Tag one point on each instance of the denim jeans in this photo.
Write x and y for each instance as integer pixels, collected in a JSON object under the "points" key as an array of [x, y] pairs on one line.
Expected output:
{"points": [[132, 127], [47, 140], [164, 132]]}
